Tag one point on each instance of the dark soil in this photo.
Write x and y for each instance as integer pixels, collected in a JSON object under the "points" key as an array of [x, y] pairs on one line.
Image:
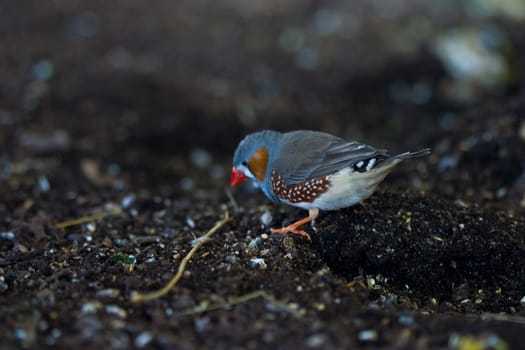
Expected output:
{"points": [[132, 113]]}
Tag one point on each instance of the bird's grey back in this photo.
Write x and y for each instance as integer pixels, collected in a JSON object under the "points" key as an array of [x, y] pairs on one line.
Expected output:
{"points": [[309, 154]]}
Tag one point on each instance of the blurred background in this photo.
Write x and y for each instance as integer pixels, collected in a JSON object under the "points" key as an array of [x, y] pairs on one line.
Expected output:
{"points": [[157, 94], [138, 105]]}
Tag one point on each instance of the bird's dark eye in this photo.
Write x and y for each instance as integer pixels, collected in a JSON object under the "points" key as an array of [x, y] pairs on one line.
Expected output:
{"points": [[245, 163]]}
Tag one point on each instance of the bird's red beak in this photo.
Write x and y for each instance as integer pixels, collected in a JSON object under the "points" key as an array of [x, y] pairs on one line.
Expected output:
{"points": [[237, 177]]}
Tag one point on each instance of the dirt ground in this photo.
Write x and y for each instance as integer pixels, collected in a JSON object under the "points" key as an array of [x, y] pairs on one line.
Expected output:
{"points": [[117, 127]]}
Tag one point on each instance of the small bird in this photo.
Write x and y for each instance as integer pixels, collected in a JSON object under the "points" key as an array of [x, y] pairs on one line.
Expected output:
{"points": [[312, 170]]}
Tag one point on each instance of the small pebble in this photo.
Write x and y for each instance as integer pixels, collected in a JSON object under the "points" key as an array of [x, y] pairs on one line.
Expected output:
{"points": [[53, 336], [127, 201], [202, 323], [316, 341], [522, 300], [119, 184], [231, 259], [190, 223], [448, 162], [7, 235], [116, 310], [43, 184], [258, 262], [198, 240], [43, 70], [91, 307], [113, 169], [266, 218], [20, 333], [186, 184], [320, 306], [200, 158], [108, 293], [327, 21], [264, 252], [406, 320], [74, 237], [52, 141], [368, 335], [143, 339], [255, 243], [85, 25], [3, 285]]}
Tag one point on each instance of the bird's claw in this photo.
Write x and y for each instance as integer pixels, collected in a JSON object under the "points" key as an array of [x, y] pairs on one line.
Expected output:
{"points": [[290, 229]]}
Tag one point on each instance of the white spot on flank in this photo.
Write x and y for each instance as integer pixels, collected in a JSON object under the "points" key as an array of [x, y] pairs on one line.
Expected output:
{"points": [[359, 164], [371, 163]]}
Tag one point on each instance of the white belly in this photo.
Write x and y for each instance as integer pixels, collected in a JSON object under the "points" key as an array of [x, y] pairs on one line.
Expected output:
{"points": [[347, 188]]}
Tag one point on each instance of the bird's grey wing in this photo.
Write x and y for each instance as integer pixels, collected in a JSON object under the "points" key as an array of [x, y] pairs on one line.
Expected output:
{"points": [[320, 156]]}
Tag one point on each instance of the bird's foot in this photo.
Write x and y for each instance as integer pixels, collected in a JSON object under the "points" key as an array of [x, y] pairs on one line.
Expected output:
{"points": [[291, 229], [294, 228]]}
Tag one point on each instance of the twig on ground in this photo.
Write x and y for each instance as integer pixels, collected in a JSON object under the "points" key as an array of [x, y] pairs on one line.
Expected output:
{"points": [[232, 200], [206, 307], [115, 211], [138, 297]]}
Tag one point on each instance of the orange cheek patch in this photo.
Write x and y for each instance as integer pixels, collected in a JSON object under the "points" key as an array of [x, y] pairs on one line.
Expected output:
{"points": [[258, 163]]}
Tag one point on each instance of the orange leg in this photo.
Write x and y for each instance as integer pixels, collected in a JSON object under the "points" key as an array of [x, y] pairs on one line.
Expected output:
{"points": [[294, 228]]}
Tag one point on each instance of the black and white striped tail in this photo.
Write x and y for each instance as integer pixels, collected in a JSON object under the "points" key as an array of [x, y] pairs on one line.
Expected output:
{"points": [[370, 163]]}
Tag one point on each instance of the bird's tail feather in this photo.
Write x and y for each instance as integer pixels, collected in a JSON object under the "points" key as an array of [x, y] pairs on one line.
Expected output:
{"points": [[419, 153], [390, 162]]}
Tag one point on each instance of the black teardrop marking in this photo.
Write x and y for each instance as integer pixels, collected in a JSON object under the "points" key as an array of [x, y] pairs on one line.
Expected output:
{"points": [[365, 165]]}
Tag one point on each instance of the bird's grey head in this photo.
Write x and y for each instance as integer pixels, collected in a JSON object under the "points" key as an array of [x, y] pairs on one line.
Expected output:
{"points": [[252, 156]]}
